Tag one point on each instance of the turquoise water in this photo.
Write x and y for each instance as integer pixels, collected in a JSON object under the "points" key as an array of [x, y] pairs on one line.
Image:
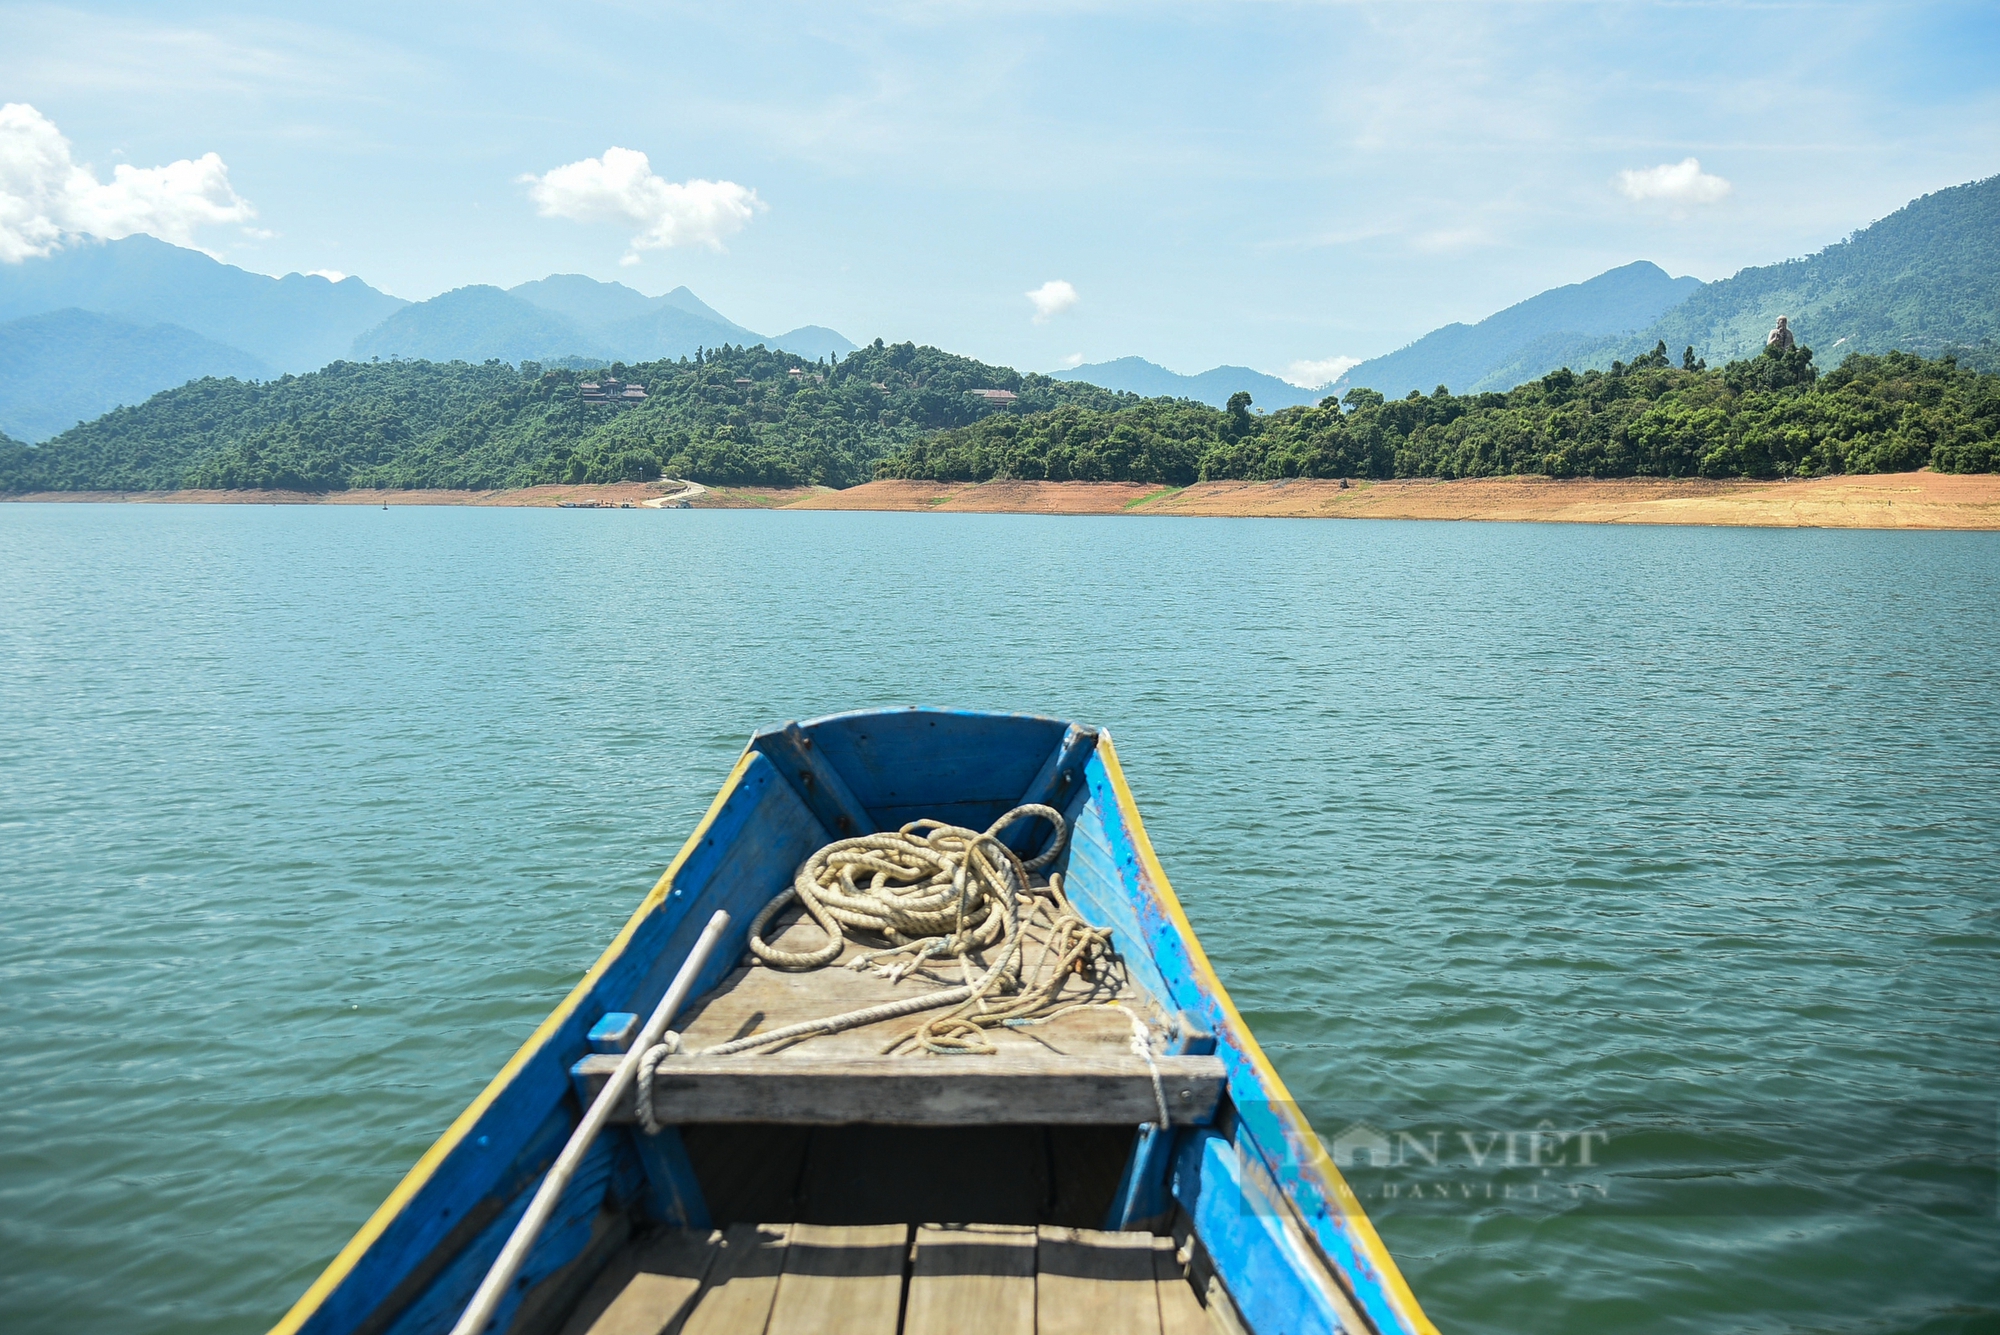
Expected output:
{"points": [[1684, 835]]}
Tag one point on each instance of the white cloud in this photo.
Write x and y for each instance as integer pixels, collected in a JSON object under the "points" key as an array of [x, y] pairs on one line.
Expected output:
{"points": [[1681, 182], [1316, 374], [622, 187], [47, 196], [1052, 299], [1075, 359], [331, 275]]}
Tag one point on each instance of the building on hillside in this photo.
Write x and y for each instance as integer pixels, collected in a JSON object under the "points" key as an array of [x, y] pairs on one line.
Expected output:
{"points": [[611, 391], [999, 396]]}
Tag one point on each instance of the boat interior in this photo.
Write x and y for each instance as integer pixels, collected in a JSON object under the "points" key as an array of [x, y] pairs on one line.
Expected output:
{"points": [[1118, 1158], [999, 1219]]}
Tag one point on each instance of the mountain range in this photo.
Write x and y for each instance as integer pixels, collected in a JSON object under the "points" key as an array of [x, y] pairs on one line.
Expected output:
{"points": [[1528, 339], [295, 323], [1925, 279], [58, 366], [1136, 375], [567, 317], [98, 324], [1497, 353]]}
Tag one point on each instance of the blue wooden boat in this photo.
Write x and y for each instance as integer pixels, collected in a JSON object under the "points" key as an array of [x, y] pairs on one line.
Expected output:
{"points": [[850, 1192]]}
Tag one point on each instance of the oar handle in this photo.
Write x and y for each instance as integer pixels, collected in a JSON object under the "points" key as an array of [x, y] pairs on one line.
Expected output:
{"points": [[505, 1266]]}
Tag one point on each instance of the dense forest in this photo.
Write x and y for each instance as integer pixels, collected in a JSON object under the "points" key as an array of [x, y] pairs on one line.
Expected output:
{"points": [[751, 416], [1773, 415], [731, 415]]}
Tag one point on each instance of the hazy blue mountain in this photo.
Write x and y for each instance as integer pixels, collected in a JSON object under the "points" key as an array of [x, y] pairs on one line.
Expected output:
{"points": [[812, 340], [59, 368], [477, 324], [584, 301], [683, 300], [301, 322], [1921, 280], [672, 331], [1139, 376], [1925, 279], [594, 305], [294, 323], [1528, 339], [635, 327]]}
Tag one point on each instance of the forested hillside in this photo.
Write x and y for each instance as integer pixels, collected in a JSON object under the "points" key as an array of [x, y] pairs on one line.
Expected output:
{"points": [[1925, 279], [752, 416], [734, 415], [1772, 415]]}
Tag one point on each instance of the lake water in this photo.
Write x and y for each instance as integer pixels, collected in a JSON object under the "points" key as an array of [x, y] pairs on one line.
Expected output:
{"points": [[1684, 837]]}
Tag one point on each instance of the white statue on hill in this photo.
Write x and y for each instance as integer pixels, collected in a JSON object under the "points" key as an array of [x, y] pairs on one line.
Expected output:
{"points": [[1781, 337]]}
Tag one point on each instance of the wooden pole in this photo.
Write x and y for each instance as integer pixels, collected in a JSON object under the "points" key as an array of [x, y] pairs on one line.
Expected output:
{"points": [[480, 1310]]}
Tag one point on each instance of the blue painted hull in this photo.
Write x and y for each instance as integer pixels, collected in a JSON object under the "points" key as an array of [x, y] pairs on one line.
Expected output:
{"points": [[1284, 1234]]}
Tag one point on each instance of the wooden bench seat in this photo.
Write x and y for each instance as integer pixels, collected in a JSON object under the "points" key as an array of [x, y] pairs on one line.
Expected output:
{"points": [[1049, 1089]]}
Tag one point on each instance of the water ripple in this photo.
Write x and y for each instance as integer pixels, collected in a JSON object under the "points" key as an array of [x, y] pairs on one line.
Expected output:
{"points": [[311, 813]]}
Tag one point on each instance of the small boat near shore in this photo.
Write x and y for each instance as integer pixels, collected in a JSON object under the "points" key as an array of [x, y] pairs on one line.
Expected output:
{"points": [[946, 1056]]}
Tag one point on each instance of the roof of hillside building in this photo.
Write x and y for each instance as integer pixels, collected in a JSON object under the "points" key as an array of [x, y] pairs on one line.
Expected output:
{"points": [[610, 391]]}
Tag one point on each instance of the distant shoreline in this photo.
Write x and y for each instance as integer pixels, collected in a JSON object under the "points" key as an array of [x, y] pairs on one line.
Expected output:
{"points": [[1922, 500], [612, 495]]}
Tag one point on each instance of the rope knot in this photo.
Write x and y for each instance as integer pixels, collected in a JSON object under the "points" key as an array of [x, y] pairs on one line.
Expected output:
{"points": [[669, 1044]]}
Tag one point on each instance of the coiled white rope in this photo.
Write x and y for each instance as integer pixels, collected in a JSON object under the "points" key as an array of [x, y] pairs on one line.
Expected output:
{"points": [[947, 892], [933, 890]]}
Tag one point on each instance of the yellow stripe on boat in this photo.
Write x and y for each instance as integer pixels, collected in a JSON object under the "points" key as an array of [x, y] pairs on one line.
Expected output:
{"points": [[414, 1181], [1319, 1163]]}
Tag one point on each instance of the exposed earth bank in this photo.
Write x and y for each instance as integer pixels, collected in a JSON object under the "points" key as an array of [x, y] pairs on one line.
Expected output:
{"points": [[1882, 500], [613, 495]]}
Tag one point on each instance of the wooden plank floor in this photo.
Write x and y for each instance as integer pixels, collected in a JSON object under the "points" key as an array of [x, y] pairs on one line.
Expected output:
{"points": [[759, 999], [881, 1279]]}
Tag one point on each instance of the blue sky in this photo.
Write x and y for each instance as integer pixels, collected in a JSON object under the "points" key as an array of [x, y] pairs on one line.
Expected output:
{"points": [[1263, 184]]}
